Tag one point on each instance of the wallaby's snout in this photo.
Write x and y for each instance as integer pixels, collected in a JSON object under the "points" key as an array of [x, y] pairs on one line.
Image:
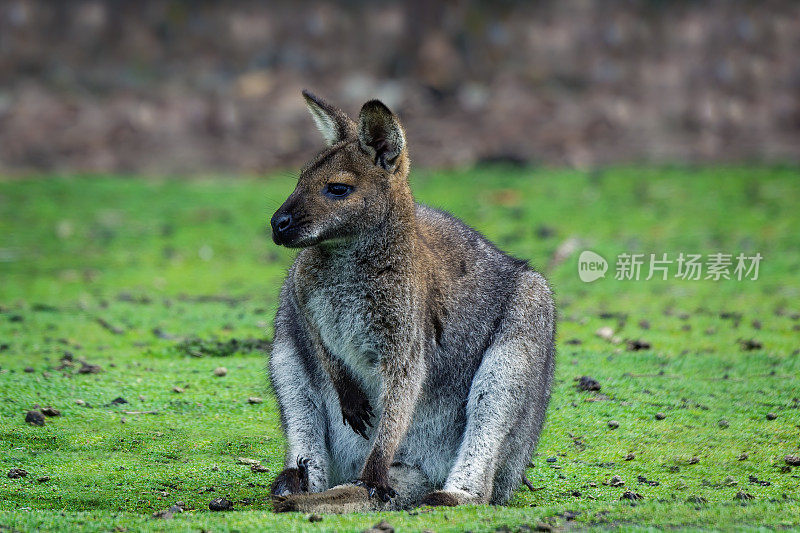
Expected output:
{"points": [[281, 223], [287, 223]]}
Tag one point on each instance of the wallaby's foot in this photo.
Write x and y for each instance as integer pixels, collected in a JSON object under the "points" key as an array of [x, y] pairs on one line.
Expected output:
{"points": [[284, 504], [442, 498], [292, 480], [383, 492], [341, 499], [356, 410]]}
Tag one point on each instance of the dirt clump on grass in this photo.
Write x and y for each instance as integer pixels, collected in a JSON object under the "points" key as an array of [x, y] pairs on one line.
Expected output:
{"points": [[16, 473], [587, 383], [88, 368], [792, 460], [197, 347], [381, 527], [635, 345], [220, 504], [34, 417], [749, 345], [167, 514]]}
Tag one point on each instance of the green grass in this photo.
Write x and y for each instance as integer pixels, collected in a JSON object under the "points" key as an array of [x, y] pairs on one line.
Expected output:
{"points": [[192, 259]]}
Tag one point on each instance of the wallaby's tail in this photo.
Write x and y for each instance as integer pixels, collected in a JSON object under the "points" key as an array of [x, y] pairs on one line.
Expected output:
{"points": [[410, 483]]}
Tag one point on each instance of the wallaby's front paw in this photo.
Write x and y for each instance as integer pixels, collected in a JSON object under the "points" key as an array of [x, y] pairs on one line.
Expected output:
{"points": [[302, 467], [356, 411], [292, 480], [383, 492]]}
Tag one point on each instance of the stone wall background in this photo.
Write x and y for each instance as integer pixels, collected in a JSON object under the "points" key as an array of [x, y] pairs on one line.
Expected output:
{"points": [[172, 87]]}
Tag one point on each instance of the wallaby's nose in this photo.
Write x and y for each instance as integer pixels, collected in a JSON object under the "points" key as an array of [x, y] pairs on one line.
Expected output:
{"points": [[281, 222]]}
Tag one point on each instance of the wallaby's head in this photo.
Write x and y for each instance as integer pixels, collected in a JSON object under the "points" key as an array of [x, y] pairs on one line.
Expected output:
{"points": [[351, 187]]}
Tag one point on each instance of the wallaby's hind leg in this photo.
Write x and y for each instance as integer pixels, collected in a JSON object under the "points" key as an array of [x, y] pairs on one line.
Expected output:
{"points": [[511, 385], [411, 485], [519, 446]]}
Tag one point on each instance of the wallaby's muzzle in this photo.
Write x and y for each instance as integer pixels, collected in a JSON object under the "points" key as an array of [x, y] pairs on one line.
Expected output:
{"points": [[284, 228]]}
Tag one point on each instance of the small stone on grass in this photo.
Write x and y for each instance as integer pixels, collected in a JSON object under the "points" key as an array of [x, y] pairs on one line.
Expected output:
{"points": [[50, 411], [605, 332]]}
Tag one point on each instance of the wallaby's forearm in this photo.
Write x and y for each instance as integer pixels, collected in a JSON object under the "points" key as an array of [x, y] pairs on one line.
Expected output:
{"points": [[403, 377]]}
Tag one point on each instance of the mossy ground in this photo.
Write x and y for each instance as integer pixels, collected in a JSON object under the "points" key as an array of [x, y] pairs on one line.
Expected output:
{"points": [[162, 261]]}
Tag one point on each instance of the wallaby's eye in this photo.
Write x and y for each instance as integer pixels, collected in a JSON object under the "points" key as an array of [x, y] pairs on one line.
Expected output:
{"points": [[337, 190]]}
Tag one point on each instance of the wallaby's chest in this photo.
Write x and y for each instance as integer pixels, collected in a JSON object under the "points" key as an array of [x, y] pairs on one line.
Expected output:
{"points": [[344, 317]]}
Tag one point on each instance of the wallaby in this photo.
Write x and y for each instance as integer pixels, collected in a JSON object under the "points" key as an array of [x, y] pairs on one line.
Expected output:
{"points": [[412, 359]]}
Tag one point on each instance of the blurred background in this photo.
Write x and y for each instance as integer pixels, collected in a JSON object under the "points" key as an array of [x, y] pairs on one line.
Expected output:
{"points": [[183, 87]]}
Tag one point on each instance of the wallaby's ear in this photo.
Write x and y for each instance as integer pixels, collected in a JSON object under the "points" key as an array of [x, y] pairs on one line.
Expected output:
{"points": [[380, 134], [331, 121]]}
